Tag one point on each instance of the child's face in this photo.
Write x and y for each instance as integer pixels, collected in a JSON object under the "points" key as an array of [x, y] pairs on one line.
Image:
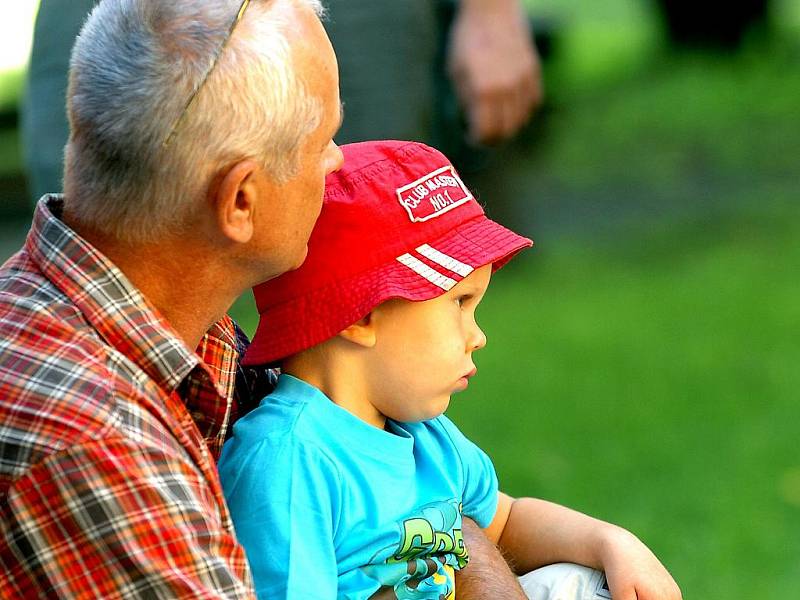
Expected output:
{"points": [[423, 351]]}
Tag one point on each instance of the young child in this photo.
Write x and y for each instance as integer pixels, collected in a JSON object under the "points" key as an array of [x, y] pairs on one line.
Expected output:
{"points": [[347, 480]]}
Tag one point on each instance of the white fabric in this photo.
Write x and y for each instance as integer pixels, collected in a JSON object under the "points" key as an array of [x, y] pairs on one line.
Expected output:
{"points": [[443, 260], [423, 270], [565, 581]]}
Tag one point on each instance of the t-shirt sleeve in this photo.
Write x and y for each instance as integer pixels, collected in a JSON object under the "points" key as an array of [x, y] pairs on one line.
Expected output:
{"points": [[479, 477], [283, 499]]}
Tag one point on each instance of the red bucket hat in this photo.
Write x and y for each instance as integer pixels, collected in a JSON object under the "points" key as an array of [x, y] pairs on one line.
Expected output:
{"points": [[396, 222]]}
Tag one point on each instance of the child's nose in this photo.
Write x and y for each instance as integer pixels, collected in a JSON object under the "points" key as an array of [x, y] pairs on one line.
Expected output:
{"points": [[477, 338]]}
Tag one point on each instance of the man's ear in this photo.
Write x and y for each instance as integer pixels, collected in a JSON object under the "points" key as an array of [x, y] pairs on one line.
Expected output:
{"points": [[361, 332], [235, 198]]}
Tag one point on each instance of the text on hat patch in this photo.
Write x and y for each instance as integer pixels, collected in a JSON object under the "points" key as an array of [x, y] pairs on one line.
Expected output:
{"points": [[434, 194]]}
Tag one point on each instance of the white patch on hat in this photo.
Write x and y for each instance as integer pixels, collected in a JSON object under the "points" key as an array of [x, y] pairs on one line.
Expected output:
{"points": [[433, 195], [423, 270], [445, 260]]}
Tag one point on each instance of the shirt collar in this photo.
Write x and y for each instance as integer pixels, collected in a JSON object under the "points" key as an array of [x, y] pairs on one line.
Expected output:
{"points": [[123, 316]]}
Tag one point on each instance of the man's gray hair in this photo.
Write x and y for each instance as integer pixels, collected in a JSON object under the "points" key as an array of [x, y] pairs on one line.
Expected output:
{"points": [[134, 67]]}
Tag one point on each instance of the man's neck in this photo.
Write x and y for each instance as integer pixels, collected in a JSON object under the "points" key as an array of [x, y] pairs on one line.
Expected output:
{"points": [[185, 292], [184, 282]]}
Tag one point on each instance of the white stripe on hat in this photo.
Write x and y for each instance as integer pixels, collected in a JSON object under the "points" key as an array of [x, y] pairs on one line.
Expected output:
{"points": [[442, 259], [423, 270]]}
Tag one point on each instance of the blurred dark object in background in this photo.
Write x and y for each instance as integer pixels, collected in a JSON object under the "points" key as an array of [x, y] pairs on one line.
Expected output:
{"points": [[720, 24], [12, 181]]}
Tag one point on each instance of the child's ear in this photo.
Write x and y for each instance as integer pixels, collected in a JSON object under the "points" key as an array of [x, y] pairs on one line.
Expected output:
{"points": [[361, 332]]}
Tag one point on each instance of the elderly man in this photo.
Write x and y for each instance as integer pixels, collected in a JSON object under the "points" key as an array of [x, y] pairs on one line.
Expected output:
{"points": [[200, 136], [199, 144]]}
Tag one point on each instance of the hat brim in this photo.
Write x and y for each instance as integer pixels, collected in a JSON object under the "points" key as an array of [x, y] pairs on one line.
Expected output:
{"points": [[302, 322]]}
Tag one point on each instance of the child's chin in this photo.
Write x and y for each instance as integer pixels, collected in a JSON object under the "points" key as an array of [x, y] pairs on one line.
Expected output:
{"points": [[435, 408], [439, 409]]}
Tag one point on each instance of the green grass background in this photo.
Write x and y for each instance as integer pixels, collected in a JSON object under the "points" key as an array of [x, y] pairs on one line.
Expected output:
{"points": [[642, 363]]}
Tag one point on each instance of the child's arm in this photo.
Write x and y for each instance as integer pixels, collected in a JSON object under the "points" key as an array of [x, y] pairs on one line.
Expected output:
{"points": [[533, 533]]}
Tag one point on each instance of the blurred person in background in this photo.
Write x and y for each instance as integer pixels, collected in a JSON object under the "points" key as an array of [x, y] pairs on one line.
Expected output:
{"points": [[117, 386], [43, 120], [397, 61], [395, 57]]}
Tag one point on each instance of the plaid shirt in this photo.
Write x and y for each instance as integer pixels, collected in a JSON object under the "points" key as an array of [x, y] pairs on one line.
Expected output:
{"points": [[109, 427]]}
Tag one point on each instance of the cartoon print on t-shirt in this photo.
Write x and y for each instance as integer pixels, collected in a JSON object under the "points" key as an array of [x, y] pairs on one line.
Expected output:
{"points": [[431, 548]]}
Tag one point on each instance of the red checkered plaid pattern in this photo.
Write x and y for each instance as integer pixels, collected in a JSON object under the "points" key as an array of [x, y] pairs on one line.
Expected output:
{"points": [[109, 427]]}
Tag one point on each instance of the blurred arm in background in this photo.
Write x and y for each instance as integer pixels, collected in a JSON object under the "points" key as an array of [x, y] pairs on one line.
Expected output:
{"points": [[495, 68]]}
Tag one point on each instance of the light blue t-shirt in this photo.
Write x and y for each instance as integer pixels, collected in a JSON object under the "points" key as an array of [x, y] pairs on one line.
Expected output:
{"points": [[328, 506]]}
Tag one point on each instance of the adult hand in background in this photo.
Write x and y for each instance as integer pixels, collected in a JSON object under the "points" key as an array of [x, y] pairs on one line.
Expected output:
{"points": [[494, 67]]}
